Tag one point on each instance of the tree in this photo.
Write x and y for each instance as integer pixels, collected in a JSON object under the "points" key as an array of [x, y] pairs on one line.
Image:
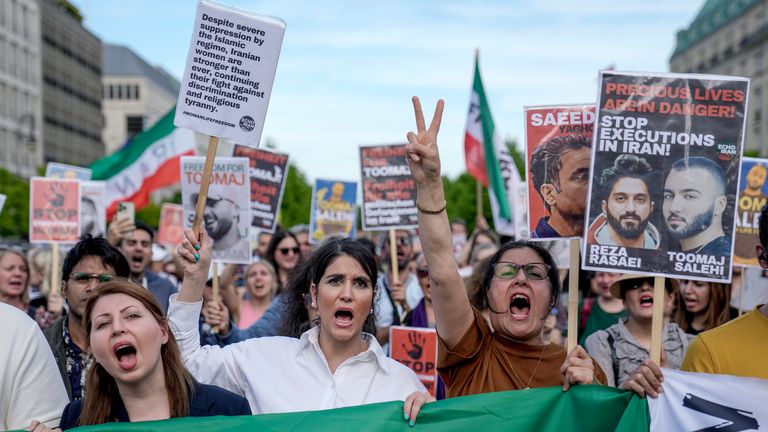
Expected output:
{"points": [[297, 199], [14, 219]]}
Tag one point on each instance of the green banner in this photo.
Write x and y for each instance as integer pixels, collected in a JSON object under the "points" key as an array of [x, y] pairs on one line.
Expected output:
{"points": [[590, 407]]}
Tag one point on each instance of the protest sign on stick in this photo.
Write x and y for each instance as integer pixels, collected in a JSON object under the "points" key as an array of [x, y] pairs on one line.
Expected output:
{"points": [[171, 231], [60, 170], [657, 319], [226, 207], [753, 195], [334, 209], [417, 349], [93, 208], [54, 211], [573, 295], [665, 168], [389, 191], [268, 172], [228, 79], [558, 154]]}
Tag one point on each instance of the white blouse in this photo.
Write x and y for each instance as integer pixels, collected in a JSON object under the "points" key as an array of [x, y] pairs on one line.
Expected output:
{"points": [[282, 374]]}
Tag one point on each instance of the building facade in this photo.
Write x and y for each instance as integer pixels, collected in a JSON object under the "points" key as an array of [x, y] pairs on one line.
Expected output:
{"points": [[135, 95], [730, 37], [71, 69], [21, 118]]}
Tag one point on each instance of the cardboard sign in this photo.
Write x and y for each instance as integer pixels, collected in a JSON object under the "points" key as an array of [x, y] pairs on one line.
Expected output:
{"points": [[268, 171], [230, 68], [59, 170], [171, 231], [417, 349], [54, 210], [558, 155], [665, 169], [334, 209], [93, 208], [389, 191], [227, 212], [753, 196]]}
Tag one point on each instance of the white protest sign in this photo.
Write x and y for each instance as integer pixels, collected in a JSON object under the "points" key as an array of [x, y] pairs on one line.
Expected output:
{"points": [[227, 213], [93, 208], [60, 170], [230, 68]]}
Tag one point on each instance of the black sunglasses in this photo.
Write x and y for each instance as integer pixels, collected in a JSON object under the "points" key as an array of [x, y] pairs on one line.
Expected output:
{"points": [[286, 250]]}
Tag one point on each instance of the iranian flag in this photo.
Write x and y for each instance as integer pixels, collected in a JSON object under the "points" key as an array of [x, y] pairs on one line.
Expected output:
{"points": [[148, 162], [489, 162]]}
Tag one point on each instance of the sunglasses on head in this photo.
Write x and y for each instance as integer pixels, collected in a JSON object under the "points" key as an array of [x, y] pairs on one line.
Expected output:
{"points": [[286, 250], [532, 271], [84, 278]]}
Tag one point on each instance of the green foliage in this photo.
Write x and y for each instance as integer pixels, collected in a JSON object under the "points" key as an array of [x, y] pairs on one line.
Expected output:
{"points": [[517, 154], [14, 219], [752, 153], [297, 199], [461, 195], [151, 213]]}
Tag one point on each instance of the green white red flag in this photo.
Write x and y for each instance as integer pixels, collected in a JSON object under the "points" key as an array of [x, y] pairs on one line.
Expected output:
{"points": [[150, 161]]}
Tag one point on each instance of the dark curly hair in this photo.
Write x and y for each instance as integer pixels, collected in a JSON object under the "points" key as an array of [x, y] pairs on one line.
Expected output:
{"points": [[625, 165]]}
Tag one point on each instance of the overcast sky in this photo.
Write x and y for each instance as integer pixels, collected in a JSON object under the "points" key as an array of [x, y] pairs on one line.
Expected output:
{"points": [[348, 68]]}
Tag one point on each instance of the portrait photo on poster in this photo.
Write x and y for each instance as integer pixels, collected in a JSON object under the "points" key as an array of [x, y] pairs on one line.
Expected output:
{"points": [[665, 172], [558, 156]]}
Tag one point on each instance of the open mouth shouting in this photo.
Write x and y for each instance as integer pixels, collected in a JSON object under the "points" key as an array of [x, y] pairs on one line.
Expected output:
{"points": [[520, 306], [646, 300], [343, 317], [126, 355]]}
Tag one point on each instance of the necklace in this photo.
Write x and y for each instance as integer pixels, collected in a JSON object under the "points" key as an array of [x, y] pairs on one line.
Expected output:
{"points": [[527, 385]]}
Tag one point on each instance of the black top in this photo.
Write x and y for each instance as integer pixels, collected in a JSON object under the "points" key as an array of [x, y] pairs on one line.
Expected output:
{"points": [[207, 400]]}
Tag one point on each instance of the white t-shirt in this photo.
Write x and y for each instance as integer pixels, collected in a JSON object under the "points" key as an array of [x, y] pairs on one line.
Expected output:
{"points": [[282, 374], [30, 383]]}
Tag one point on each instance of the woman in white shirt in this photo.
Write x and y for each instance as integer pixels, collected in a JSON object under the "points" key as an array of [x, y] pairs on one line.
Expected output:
{"points": [[332, 365]]}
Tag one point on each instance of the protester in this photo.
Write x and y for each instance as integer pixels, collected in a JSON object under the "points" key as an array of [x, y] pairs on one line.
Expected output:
{"points": [[394, 298], [284, 253], [423, 315], [702, 306], [521, 285], [480, 238], [39, 261], [560, 173], [737, 347], [90, 262], [332, 365], [30, 387], [602, 311], [14, 289], [135, 242], [622, 347], [138, 374], [264, 239], [302, 236], [261, 282]]}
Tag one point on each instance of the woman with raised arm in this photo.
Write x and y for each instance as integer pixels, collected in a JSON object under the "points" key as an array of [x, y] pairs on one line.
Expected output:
{"points": [[334, 364], [520, 285]]}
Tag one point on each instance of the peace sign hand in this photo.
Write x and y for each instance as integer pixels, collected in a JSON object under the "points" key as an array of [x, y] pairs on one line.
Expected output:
{"points": [[422, 154]]}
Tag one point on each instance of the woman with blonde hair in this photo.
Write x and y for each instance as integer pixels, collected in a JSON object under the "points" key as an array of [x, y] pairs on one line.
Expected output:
{"points": [[138, 373], [702, 306], [261, 284]]}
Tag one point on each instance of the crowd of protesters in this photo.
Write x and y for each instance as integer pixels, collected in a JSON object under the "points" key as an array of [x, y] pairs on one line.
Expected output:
{"points": [[134, 332]]}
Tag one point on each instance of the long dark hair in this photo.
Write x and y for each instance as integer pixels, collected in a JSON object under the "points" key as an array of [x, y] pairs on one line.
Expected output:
{"points": [[296, 297], [552, 275], [101, 392], [279, 235]]}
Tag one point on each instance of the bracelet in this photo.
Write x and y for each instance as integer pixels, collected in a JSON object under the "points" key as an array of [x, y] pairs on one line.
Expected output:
{"points": [[431, 212]]}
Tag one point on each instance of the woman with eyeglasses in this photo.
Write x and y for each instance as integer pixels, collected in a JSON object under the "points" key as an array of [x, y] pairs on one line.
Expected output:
{"points": [[334, 364], [520, 286], [284, 253], [624, 349]]}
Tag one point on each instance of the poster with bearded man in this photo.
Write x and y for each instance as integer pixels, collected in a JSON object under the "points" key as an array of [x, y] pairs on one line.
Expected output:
{"points": [[665, 172]]}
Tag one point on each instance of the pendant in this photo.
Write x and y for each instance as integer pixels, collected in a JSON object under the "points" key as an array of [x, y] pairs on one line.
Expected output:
{"points": [[527, 388]]}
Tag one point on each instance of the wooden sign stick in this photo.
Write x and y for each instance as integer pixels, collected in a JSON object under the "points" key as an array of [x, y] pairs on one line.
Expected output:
{"points": [[55, 269], [202, 197], [657, 323], [479, 198], [393, 261], [573, 296]]}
